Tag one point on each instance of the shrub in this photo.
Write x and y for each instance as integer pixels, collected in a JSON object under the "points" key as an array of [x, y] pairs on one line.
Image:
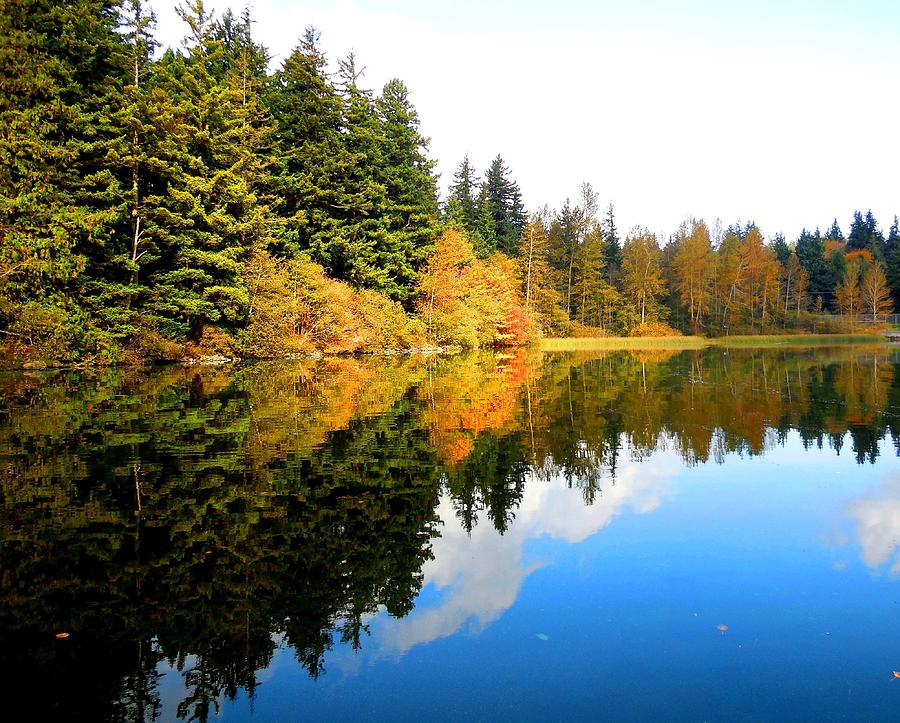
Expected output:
{"points": [[654, 328]]}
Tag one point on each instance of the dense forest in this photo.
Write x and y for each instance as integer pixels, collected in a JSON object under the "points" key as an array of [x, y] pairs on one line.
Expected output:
{"points": [[162, 203]]}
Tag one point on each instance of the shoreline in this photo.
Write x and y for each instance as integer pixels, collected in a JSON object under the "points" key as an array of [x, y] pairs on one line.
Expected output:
{"points": [[550, 344], [748, 341]]}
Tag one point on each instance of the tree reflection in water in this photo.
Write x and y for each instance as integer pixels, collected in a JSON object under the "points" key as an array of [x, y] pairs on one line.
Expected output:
{"points": [[205, 516]]}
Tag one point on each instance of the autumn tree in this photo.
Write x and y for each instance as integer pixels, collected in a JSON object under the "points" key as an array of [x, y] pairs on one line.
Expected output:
{"points": [[641, 272], [693, 266], [794, 284], [760, 278], [590, 281], [848, 294], [874, 292]]}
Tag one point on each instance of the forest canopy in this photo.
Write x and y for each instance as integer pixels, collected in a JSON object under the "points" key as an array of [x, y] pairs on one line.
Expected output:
{"points": [[157, 203]]}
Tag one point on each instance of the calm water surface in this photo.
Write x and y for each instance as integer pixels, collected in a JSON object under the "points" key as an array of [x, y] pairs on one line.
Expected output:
{"points": [[636, 535]]}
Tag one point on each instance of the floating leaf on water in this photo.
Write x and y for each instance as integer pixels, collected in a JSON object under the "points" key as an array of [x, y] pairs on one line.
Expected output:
{"points": [[897, 673], [544, 636], [721, 628], [62, 636]]}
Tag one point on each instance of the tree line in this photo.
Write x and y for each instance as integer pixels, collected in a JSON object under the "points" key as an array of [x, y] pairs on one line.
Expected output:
{"points": [[156, 203]]}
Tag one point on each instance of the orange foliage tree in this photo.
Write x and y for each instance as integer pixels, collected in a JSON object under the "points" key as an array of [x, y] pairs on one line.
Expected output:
{"points": [[468, 302]]}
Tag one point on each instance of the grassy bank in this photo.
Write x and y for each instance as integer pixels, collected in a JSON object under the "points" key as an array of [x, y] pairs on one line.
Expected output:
{"points": [[698, 342]]}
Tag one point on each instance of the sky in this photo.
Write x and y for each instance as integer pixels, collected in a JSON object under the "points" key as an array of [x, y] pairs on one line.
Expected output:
{"points": [[784, 113]]}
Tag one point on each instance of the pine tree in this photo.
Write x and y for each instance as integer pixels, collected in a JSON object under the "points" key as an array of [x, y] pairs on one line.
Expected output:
{"points": [[834, 233], [892, 261], [566, 238], [213, 211], [408, 177], [865, 235], [373, 260], [464, 191], [811, 252], [485, 236], [504, 204], [307, 114], [56, 63], [781, 248], [612, 247]]}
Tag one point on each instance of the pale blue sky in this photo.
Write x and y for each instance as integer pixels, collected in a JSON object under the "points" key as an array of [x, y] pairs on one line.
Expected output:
{"points": [[782, 112]]}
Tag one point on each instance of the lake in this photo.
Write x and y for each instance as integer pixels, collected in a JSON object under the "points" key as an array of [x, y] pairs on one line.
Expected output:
{"points": [[678, 535]]}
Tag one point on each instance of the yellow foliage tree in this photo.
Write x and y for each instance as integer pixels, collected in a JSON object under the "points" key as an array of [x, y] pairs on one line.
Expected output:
{"points": [[641, 272], [876, 296], [693, 272], [467, 302]]}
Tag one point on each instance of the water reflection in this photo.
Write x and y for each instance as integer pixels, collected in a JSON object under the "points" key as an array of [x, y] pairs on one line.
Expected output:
{"points": [[199, 516], [877, 519], [481, 587]]}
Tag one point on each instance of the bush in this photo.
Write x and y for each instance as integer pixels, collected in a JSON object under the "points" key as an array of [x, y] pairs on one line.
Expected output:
{"points": [[654, 328], [211, 342], [583, 331]]}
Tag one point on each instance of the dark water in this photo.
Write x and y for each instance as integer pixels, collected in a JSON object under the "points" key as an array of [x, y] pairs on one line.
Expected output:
{"points": [[483, 537]]}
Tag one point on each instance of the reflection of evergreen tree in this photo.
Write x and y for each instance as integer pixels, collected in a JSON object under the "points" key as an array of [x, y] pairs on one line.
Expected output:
{"points": [[169, 532], [491, 478], [191, 515]]}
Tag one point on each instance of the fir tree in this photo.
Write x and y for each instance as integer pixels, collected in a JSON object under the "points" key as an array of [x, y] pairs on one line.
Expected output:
{"points": [[834, 233], [307, 114], [408, 177], [612, 247], [375, 258], [892, 261], [504, 202], [214, 210], [865, 235], [464, 190], [811, 253], [782, 250], [56, 63]]}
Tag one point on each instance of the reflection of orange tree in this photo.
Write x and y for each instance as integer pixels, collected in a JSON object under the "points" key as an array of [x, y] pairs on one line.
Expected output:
{"points": [[295, 407], [464, 396]]}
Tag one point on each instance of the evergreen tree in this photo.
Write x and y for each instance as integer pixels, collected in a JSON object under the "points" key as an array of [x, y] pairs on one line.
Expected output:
{"points": [[485, 236], [239, 50], [408, 177], [565, 236], [464, 191], [374, 259], [612, 247], [504, 204], [57, 64], [834, 233], [214, 210], [892, 261], [811, 252], [307, 114], [782, 250], [865, 235]]}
